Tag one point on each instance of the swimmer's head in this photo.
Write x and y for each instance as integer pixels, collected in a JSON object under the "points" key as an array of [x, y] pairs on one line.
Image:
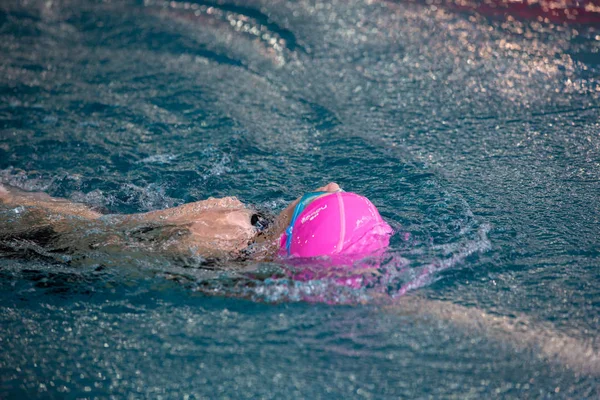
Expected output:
{"points": [[335, 223]]}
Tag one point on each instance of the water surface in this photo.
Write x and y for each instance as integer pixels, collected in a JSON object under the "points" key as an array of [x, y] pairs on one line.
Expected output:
{"points": [[475, 134]]}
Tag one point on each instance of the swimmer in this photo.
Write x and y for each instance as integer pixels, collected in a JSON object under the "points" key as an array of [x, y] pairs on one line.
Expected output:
{"points": [[326, 222]]}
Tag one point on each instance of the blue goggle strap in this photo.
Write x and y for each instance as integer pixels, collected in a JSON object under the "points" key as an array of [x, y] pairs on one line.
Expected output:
{"points": [[304, 201]]}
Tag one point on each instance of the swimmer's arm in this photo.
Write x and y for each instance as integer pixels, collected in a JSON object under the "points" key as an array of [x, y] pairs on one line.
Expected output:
{"points": [[213, 227], [188, 212], [10, 196]]}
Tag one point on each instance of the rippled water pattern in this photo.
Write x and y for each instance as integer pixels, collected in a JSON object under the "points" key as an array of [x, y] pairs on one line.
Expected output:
{"points": [[476, 133]]}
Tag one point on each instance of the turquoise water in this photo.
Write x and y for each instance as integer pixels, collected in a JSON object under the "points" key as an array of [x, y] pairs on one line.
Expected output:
{"points": [[477, 137]]}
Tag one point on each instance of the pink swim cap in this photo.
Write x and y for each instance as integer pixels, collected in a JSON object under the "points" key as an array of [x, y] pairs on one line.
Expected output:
{"points": [[340, 223]]}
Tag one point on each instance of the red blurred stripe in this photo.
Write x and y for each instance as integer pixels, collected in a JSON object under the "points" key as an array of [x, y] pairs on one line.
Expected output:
{"points": [[555, 11]]}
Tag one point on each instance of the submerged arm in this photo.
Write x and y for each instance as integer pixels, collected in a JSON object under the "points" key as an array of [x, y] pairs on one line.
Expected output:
{"points": [[519, 331]]}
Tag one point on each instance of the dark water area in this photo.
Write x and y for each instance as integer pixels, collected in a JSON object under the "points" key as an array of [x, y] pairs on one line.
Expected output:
{"points": [[476, 134]]}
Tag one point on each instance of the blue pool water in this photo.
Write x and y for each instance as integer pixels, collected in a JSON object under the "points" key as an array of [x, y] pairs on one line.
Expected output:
{"points": [[478, 138]]}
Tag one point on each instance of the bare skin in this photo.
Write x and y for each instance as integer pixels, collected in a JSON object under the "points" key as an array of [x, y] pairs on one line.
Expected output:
{"points": [[212, 228]]}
